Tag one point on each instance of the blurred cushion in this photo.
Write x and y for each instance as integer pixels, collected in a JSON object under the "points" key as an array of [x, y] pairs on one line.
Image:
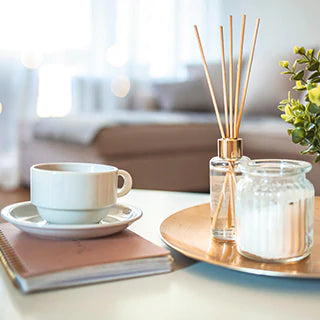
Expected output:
{"points": [[190, 95], [142, 97], [194, 94], [196, 72], [267, 86]]}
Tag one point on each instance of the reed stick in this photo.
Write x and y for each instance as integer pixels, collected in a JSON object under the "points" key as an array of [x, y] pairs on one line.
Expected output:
{"points": [[224, 82], [205, 66], [231, 76], [222, 250], [236, 102], [248, 75], [233, 174], [231, 212]]}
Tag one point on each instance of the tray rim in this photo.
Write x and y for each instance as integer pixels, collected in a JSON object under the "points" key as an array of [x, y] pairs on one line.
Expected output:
{"points": [[254, 271]]}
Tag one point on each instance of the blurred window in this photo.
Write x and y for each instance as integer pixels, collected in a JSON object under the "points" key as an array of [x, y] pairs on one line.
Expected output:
{"points": [[105, 39]]}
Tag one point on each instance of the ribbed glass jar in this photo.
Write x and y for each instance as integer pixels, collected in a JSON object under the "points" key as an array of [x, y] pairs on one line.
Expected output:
{"points": [[274, 210]]}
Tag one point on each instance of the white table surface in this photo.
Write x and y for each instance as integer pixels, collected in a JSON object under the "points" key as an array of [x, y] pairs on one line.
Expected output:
{"points": [[196, 291]]}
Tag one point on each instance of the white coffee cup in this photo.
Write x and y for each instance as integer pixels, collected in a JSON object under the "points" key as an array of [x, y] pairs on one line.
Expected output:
{"points": [[76, 193]]}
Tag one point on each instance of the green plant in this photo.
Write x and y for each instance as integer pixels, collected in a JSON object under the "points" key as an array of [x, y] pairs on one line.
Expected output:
{"points": [[305, 117]]}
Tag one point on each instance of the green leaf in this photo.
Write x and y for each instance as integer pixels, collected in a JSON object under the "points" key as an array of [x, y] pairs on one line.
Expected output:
{"points": [[284, 64], [310, 126], [288, 110], [314, 65], [300, 61], [314, 109], [317, 158], [281, 107], [316, 142], [286, 72], [298, 76], [310, 149], [314, 96], [294, 66], [310, 53], [311, 137], [313, 75], [298, 122], [299, 50], [297, 135], [287, 118], [311, 85], [299, 88]]}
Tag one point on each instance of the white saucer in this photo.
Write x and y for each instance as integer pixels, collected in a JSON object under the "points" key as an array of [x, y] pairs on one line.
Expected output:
{"points": [[25, 216]]}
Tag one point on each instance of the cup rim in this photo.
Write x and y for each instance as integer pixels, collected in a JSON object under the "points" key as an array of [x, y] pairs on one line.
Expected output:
{"points": [[41, 167]]}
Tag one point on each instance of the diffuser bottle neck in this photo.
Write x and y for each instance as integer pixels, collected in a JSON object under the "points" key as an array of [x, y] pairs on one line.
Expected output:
{"points": [[230, 149]]}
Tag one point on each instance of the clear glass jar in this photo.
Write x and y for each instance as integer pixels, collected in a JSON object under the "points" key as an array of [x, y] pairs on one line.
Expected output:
{"points": [[274, 210], [224, 172]]}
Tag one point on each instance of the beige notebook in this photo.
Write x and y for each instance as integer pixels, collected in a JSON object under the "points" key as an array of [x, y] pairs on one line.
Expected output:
{"points": [[36, 264]]}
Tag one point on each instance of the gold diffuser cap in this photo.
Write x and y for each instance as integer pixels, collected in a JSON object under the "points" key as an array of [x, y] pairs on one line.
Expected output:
{"points": [[230, 149]]}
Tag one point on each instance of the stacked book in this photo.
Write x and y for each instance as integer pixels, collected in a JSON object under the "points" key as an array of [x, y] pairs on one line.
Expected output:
{"points": [[35, 264]]}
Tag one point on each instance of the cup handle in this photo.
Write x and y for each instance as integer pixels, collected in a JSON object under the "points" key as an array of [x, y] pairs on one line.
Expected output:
{"points": [[127, 183]]}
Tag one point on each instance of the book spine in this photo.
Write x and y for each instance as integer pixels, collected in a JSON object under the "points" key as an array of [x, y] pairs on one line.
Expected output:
{"points": [[9, 259]]}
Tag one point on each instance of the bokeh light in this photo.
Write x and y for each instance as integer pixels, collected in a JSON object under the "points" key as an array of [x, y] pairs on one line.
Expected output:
{"points": [[120, 86], [31, 59]]}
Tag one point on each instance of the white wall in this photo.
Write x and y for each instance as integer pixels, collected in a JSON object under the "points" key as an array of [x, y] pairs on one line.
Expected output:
{"points": [[284, 23]]}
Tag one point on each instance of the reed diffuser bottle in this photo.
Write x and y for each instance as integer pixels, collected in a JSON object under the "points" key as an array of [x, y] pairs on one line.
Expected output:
{"points": [[224, 171]]}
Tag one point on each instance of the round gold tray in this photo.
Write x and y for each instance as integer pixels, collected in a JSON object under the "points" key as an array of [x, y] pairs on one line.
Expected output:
{"points": [[188, 231]]}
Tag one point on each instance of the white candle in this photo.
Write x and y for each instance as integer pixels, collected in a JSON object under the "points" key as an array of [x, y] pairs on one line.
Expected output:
{"points": [[274, 228]]}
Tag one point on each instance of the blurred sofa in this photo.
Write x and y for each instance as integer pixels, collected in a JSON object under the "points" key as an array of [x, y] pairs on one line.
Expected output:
{"points": [[168, 148], [166, 151]]}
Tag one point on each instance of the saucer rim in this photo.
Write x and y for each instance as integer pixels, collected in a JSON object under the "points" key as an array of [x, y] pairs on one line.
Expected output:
{"points": [[6, 214]]}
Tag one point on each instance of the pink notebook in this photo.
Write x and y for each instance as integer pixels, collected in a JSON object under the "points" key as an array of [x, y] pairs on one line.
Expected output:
{"points": [[36, 264]]}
